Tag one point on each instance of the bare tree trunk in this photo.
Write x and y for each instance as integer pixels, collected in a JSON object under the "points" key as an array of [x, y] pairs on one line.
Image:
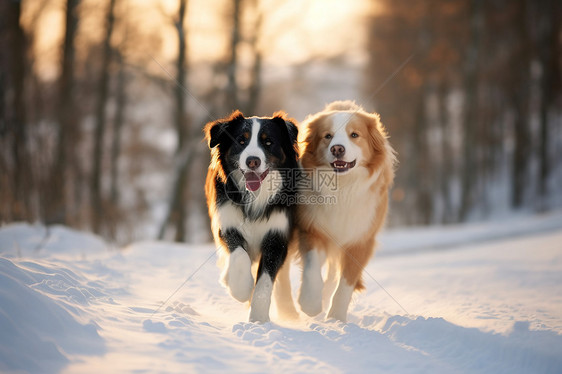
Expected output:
{"points": [[117, 130], [520, 102], [255, 86], [446, 172], [180, 193], [422, 165], [470, 108], [178, 197], [232, 99], [181, 78], [177, 209], [97, 157], [56, 210], [118, 122], [521, 151], [549, 47], [15, 115]]}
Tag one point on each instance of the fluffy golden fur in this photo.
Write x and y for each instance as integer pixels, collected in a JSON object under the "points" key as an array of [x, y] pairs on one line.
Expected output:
{"points": [[342, 234]]}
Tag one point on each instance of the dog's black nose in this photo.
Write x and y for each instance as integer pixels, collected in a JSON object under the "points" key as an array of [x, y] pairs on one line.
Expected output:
{"points": [[253, 162], [338, 150]]}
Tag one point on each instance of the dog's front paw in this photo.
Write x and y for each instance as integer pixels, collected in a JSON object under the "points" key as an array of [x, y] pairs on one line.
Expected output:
{"points": [[238, 277], [261, 300], [340, 301], [258, 316], [337, 315]]}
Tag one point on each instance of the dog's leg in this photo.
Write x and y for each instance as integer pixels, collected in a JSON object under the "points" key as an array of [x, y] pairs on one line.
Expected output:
{"points": [[310, 296], [330, 283], [353, 260], [341, 300], [237, 275], [274, 252], [282, 293]]}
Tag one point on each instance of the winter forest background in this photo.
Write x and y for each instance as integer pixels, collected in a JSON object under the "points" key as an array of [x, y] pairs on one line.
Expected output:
{"points": [[102, 102]]}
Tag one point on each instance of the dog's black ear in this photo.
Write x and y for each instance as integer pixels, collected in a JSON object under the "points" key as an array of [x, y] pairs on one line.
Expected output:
{"points": [[293, 130], [290, 124], [217, 130]]}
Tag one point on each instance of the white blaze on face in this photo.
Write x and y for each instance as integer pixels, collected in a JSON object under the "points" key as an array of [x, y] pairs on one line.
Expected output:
{"points": [[253, 150], [340, 136]]}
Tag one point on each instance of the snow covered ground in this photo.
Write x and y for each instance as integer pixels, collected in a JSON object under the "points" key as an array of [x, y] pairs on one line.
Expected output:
{"points": [[480, 298]]}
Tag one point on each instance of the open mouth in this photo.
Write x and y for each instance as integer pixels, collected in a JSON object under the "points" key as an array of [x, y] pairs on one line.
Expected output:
{"points": [[254, 180], [341, 166]]}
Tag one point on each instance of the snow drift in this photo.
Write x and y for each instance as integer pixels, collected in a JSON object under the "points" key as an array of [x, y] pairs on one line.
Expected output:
{"points": [[480, 298]]}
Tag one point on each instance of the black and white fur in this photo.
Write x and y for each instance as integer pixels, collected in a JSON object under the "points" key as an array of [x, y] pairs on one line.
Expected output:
{"points": [[253, 225]]}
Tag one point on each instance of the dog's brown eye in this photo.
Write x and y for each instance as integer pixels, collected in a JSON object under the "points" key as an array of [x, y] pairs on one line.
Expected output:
{"points": [[354, 135], [328, 136], [242, 142], [268, 142]]}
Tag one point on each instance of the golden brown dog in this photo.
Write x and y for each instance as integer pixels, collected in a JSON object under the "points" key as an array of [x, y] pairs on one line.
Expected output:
{"points": [[349, 163]]}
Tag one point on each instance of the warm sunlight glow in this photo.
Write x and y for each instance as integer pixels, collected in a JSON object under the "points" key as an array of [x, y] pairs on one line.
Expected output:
{"points": [[314, 28], [292, 31], [48, 19]]}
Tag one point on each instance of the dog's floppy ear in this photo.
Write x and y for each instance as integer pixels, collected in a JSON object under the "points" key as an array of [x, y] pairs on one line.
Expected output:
{"points": [[290, 124], [377, 137], [292, 129], [216, 131]]}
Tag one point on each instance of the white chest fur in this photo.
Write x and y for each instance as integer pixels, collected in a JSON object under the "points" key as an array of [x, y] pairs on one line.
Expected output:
{"points": [[349, 214], [231, 216]]}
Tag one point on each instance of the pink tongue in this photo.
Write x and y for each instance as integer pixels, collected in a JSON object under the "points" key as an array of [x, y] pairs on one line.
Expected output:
{"points": [[253, 181]]}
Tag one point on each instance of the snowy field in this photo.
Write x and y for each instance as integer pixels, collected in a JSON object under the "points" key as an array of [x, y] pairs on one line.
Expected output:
{"points": [[479, 298]]}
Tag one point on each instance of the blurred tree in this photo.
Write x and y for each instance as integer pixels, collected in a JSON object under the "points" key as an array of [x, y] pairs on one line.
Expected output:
{"points": [[474, 115], [470, 90], [186, 197], [64, 166], [97, 199], [470, 110], [244, 94], [16, 174], [422, 172], [180, 118], [177, 209], [118, 122], [550, 52], [232, 89], [254, 89], [518, 89]]}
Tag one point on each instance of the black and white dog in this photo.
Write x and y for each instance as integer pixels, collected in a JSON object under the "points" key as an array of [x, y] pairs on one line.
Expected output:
{"points": [[249, 191]]}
